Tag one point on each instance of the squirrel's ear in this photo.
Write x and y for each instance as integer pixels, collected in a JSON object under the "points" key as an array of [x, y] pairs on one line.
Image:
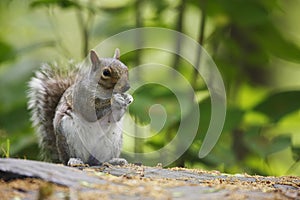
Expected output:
{"points": [[117, 54], [94, 58]]}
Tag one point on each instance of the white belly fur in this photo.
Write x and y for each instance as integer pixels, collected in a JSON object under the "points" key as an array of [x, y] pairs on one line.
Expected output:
{"points": [[100, 139]]}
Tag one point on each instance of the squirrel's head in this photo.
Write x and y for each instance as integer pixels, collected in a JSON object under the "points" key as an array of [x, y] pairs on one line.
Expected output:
{"points": [[111, 73]]}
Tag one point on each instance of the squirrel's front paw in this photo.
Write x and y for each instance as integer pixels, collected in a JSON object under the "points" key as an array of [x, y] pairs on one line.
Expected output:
{"points": [[128, 98], [121, 100], [119, 104], [118, 101]]}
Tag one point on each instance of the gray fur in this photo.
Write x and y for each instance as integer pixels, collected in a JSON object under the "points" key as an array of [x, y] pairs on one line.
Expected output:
{"points": [[45, 91], [76, 114]]}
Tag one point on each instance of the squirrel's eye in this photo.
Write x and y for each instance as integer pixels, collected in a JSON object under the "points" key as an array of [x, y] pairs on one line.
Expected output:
{"points": [[106, 73]]}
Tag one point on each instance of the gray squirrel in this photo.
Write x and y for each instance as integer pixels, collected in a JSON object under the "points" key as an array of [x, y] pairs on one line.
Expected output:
{"points": [[77, 111]]}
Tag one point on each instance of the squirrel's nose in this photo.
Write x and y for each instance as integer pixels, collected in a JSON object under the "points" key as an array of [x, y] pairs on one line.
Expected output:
{"points": [[126, 87], [121, 86]]}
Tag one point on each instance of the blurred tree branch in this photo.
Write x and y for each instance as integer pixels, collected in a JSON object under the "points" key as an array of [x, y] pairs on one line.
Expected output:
{"points": [[179, 27], [201, 32]]}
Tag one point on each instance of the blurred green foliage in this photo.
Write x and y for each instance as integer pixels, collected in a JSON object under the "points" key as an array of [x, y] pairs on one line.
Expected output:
{"points": [[254, 43]]}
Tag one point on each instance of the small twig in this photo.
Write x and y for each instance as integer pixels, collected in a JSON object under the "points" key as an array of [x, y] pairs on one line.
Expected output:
{"points": [[59, 41], [199, 50], [6, 152], [179, 28], [84, 32], [138, 24], [292, 167], [84, 26], [138, 146]]}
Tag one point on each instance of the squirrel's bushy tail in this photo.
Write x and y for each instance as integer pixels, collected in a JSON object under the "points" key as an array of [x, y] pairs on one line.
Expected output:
{"points": [[45, 91]]}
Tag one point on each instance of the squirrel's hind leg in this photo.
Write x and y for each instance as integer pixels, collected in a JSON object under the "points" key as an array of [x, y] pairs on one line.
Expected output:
{"points": [[62, 123], [118, 161], [115, 161], [76, 162]]}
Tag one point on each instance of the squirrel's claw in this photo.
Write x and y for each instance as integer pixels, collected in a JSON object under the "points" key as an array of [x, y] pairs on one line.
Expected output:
{"points": [[76, 162]]}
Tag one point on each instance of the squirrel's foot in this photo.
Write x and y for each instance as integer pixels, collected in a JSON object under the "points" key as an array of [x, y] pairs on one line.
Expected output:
{"points": [[76, 162], [118, 161]]}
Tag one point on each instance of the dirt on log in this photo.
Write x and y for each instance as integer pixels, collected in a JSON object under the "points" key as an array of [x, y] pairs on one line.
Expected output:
{"points": [[26, 179]]}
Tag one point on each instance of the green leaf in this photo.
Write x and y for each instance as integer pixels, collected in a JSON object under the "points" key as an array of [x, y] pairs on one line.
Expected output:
{"points": [[7, 52], [296, 153], [243, 13], [280, 104], [276, 43], [60, 3], [278, 143], [246, 13], [234, 116], [263, 146]]}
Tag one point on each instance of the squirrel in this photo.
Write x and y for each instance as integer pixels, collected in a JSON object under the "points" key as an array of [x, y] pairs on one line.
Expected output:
{"points": [[77, 112]]}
